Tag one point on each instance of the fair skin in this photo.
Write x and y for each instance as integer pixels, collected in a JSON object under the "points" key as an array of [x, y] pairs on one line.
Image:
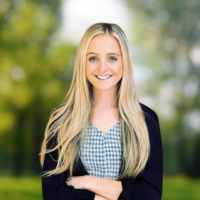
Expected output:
{"points": [[103, 58]]}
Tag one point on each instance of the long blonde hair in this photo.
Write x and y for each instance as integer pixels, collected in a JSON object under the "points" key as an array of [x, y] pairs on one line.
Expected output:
{"points": [[68, 121]]}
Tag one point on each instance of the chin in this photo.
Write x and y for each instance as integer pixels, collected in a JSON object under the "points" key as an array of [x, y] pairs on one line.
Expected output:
{"points": [[104, 88]]}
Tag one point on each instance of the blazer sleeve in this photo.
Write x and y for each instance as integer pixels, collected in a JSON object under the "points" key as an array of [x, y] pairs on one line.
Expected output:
{"points": [[55, 187], [148, 184]]}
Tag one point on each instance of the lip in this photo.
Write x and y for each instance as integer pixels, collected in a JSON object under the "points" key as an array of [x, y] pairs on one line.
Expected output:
{"points": [[104, 75], [103, 79]]}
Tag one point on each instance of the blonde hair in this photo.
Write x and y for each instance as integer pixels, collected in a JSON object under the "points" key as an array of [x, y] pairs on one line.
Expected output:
{"points": [[70, 118]]}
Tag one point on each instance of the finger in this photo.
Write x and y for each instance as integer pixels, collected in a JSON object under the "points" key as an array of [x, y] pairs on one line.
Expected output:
{"points": [[67, 182]]}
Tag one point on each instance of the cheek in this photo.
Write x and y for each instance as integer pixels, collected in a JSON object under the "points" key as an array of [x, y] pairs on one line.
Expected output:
{"points": [[90, 68], [88, 71], [119, 70]]}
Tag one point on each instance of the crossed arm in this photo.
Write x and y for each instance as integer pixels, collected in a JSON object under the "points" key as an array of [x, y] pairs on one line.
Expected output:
{"points": [[104, 189]]}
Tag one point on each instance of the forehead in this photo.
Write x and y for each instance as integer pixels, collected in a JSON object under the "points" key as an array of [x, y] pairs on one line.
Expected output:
{"points": [[104, 41]]}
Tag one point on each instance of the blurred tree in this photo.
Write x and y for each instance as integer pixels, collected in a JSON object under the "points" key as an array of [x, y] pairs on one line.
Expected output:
{"points": [[35, 74], [165, 39], [196, 157]]}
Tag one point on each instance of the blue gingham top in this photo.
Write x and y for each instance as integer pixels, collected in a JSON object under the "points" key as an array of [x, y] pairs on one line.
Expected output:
{"points": [[101, 152]]}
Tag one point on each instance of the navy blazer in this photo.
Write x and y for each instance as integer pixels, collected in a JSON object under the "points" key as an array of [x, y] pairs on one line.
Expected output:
{"points": [[146, 186]]}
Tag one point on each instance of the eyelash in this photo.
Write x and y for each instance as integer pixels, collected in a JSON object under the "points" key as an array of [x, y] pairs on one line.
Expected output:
{"points": [[95, 57]]}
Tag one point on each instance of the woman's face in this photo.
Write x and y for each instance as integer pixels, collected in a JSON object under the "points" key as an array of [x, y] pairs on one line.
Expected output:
{"points": [[104, 59]]}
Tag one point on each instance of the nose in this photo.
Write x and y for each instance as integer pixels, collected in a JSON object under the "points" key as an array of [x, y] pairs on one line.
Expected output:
{"points": [[102, 66]]}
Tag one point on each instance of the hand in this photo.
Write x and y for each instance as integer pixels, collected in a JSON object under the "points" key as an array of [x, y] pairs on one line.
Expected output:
{"points": [[78, 182]]}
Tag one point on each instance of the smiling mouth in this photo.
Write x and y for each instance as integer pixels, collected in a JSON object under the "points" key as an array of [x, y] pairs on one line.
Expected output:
{"points": [[103, 78]]}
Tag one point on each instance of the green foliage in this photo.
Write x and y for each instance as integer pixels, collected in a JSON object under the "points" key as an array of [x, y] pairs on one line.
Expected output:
{"points": [[165, 37], [36, 68], [35, 74]]}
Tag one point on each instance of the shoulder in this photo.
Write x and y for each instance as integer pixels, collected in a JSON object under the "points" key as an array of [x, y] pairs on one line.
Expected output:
{"points": [[148, 111], [151, 116]]}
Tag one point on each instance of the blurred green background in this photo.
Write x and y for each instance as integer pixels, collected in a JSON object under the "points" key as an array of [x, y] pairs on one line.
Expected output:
{"points": [[36, 66]]}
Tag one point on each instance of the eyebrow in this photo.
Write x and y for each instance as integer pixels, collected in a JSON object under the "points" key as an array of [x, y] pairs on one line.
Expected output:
{"points": [[97, 53]]}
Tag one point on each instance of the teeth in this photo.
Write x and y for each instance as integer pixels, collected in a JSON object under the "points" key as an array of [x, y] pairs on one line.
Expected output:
{"points": [[103, 77]]}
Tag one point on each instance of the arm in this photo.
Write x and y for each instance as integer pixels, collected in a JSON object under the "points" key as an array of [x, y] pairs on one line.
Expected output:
{"points": [[107, 188], [147, 185], [98, 197], [55, 187]]}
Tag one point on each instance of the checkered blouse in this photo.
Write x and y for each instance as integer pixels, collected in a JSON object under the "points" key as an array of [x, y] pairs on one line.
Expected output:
{"points": [[101, 153]]}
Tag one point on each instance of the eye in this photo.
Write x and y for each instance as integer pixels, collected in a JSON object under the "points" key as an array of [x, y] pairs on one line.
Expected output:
{"points": [[113, 58], [92, 58]]}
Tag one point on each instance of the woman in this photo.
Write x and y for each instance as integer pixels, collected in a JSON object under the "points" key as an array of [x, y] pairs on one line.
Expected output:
{"points": [[124, 160]]}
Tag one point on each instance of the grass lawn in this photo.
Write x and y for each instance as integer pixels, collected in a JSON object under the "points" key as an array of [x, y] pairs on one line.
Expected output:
{"points": [[181, 188], [29, 188], [22, 188]]}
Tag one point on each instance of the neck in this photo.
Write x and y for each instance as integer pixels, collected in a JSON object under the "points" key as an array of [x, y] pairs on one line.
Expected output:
{"points": [[105, 99]]}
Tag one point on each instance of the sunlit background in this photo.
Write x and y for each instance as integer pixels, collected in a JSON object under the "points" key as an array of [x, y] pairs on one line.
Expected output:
{"points": [[38, 44]]}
